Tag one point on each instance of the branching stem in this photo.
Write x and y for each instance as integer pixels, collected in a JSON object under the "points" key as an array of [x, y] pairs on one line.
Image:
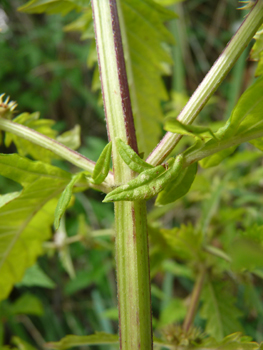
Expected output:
{"points": [[211, 81], [56, 147]]}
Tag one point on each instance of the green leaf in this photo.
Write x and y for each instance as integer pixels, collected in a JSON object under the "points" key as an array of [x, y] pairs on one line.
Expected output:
{"points": [[248, 112], [8, 197], [174, 311], [70, 138], [177, 269], [27, 304], [147, 59], [64, 199], [179, 187], [131, 158], [34, 276], [219, 311], [140, 188], [184, 242], [175, 126], [74, 340], [25, 221], [102, 166], [24, 147], [52, 6], [149, 183], [247, 254], [235, 341], [84, 25], [216, 158], [246, 118], [147, 56]]}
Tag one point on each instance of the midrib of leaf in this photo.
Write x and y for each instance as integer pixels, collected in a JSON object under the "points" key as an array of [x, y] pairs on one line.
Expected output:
{"points": [[25, 223]]}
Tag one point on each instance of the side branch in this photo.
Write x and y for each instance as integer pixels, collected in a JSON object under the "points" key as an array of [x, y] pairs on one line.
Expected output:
{"points": [[211, 81], [44, 141]]}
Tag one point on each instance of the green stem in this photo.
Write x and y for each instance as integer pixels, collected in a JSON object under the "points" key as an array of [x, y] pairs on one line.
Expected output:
{"points": [[209, 150], [211, 81], [130, 217], [194, 300], [61, 150]]}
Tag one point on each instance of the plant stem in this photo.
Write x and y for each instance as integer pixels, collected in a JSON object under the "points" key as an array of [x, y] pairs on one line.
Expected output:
{"points": [[209, 150], [61, 150], [189, 319], [211, 81], [130, 217]]}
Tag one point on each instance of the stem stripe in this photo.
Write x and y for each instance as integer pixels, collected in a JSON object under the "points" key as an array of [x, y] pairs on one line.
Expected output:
{"points": [[123, 81]]}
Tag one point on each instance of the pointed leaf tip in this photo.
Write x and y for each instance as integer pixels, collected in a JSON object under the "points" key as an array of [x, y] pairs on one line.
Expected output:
{"points": [[102, 166]]}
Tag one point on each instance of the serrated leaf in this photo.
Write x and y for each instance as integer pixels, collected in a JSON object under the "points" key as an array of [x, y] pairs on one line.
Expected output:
{"points": [[184, 242], [25, 222], [74, 340], [179, 187], [131, 158], [147, 59], [64, 199], [102, 166], [219, 311], [175, 126]]}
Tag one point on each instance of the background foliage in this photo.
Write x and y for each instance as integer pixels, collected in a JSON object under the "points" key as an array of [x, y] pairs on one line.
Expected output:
{"points": [[218, 225]]}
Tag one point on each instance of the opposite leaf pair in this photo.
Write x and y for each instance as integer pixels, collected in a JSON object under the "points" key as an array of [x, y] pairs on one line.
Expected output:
{"points": [[153, 180]]}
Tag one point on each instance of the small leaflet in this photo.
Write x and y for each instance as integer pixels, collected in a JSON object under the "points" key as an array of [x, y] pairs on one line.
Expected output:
{"points": [[148, 184], [102, 166], [137, 188], [64, 199], [201, 132], [179, 187], [131, 158]]}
